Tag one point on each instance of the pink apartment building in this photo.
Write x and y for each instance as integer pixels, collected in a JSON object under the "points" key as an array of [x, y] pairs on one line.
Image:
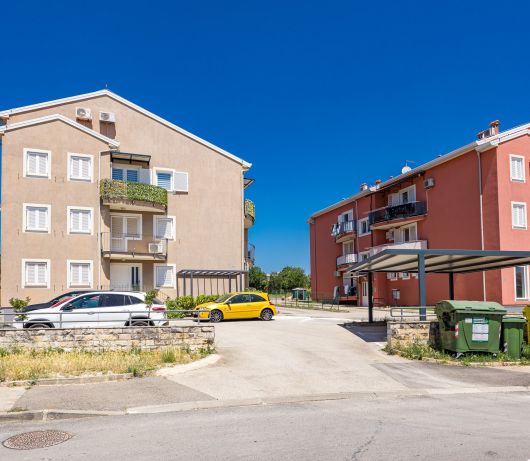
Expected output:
{"points": [[473, 198]]}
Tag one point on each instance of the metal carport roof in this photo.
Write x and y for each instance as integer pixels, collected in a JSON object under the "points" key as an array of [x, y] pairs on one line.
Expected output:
{"points": [[441, 261]]}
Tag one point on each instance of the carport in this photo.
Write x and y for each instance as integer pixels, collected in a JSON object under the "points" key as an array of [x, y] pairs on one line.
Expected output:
{"points": [[210, 277], [437, 261]]}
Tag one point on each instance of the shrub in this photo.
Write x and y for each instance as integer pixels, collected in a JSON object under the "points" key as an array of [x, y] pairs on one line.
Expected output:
{"points": [[113, 189], [201, 299], [19, 305]]}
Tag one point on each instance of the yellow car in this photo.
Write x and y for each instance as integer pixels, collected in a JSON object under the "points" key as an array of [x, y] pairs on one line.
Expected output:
{"points": [[241, 305]]}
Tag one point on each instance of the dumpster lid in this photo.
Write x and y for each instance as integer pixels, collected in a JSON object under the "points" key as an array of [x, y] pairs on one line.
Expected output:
{"points": [[475, 306], [513, 320]]}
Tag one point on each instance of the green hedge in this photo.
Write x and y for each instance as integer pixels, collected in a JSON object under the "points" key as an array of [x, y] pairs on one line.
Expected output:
{"points": [[114, 189], [186, 303], [250, 208]]}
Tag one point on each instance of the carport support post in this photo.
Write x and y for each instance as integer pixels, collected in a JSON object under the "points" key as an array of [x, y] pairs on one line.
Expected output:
{"points": [[370, 298], [451, 286], [422, 293]]}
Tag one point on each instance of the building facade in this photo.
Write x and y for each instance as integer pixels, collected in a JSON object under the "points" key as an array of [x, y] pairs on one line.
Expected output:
{"points": [[100, 193], [475, 197]]}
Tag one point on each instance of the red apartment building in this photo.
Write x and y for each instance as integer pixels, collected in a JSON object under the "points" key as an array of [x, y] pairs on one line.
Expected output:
{"points": [[474, 197]]}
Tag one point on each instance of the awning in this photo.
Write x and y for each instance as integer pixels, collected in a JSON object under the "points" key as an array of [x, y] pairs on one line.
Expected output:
{"points": [[247, 182], [441, 261], [129, 157], [188, 275]]}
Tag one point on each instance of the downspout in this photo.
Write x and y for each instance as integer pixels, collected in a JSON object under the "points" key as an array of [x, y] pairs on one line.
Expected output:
{"points": [[481, 210]]}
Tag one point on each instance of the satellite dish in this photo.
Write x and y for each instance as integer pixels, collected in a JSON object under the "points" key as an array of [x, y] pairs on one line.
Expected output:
{"points": [[405, 169]]}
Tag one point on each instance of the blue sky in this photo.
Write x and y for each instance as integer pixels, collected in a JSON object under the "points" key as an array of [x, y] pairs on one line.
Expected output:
{"points": [[319, 96]]}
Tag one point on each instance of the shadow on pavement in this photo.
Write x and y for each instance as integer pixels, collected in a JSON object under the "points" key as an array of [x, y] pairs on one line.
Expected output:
{"points": [[368, 332]]}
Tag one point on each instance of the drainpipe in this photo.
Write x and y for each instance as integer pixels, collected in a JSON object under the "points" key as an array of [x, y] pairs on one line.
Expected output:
{"points": [[481, 210]]}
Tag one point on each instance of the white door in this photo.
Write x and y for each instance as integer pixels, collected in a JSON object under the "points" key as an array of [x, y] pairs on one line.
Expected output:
{"points": [[125, 277], [123, 229], [364, 293]]}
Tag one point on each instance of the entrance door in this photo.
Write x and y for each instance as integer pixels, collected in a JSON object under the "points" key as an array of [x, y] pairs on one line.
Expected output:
{"points": [[126, 277], [364, 293], [122, 229]]}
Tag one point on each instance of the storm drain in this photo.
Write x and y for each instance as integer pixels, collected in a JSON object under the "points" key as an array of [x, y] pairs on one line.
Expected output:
{"points": [[36, 439]]}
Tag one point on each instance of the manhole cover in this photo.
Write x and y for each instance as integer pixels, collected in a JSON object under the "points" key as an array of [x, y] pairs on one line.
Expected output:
{"points": [[36, 439]]}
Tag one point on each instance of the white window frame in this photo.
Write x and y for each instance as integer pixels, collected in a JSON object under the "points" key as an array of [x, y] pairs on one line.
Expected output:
{"points": [[525, 226], [48, 273], [392, 276], [405, 277], [69, 167], [69, 262], [362, 254], [172, 171], [174, 284], [69, 230], [129, 215], [515, 283], [24, 220], [360, 225], [408, 189], [344, 215], [173, 218], [523, 169], [25, 173], [125, 167]]}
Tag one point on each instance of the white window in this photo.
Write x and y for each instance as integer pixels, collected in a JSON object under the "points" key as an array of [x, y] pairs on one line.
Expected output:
{"points": [[79, 167], [392, 275], [79, 274], [521, 282], [364, 227], [517, 169], [164, 227], [346, 216], [364, 255], [406, 234], [405, 275], [406, 195], [36, 217], [36, 273], [79, 220], [37, 163], [171, 180], [165, 276], [519, 215], [131, 174]]}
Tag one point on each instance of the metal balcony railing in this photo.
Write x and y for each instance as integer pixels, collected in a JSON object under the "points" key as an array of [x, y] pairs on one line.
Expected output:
{"points": [[251, 253], [134, 245], [346, 259], [343, 228], [412, 245], [405, 210]]}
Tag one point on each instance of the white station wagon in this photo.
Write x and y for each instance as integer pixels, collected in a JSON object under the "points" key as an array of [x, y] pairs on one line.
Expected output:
{"points": [[97, 309]]}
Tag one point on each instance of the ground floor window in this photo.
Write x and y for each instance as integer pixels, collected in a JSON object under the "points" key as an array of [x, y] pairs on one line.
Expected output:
{"points": [[80, 274], [165, 276], [36, 273], [521, 282]]}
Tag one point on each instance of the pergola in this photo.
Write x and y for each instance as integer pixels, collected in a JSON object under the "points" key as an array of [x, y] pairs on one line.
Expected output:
{"points": [[437, 261], [211, 275]]}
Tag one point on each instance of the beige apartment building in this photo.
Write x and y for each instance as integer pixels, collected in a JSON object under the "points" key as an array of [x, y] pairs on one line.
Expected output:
{"points": [[100, 193]]}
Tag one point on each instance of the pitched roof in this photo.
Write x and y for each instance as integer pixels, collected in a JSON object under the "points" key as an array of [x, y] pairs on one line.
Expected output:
{"points": [[478, 145], [110, 94], [62, 118]]}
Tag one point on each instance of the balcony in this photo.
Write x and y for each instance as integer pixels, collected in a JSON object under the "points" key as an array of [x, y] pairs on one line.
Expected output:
{"points": [[137, 247], [251, 255], [345, 260], [133, 196], [250, 213], [412, 245], [343, 231], [388, 217]]}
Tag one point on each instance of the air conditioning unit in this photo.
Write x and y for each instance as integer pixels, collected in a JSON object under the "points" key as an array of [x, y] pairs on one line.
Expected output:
{"points": [[390, 234], [337, 273], [428, 183], [82, 113], [156, 247], [108, 117]]}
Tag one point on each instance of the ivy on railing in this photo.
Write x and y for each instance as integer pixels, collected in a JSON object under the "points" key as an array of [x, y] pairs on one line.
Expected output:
{"points": [[111, 189], [250, 208]]}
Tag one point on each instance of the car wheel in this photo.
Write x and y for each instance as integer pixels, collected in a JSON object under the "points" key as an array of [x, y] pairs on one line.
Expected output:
{"points": [[216, 316], [139, 323], [39, 325], [266, 314]]}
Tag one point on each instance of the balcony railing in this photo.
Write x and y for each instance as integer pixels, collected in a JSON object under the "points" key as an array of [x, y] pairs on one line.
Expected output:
{"points": [[412, 245], [133, 246], [251, 253], [405, 210], [250, 209], [341, 228], [346, 259], [132, 195]]}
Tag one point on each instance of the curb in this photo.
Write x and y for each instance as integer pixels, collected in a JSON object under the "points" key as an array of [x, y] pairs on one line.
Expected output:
{"points": [[168, 372], [70, 380], [461, 364], [51, 415]]}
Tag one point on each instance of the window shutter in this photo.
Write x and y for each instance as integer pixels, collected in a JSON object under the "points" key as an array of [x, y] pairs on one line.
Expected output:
{"points": [[42, 164], [164, 228], [181, 181], [36, 273], [117, 174], [145, 176], [80, 274], [518, 215], [132, 227], [164, 180], [36, 218], [132, 175], [517, 168], [80, 220], [80, 167], [37, 163], [164, 276]]}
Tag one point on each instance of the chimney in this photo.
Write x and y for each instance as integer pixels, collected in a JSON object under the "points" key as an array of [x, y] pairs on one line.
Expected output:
{"points": [[364, 186], [377, 183], [491, 131]]}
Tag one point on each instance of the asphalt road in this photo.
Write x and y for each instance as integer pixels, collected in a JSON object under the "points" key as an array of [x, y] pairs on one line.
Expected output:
{"points": [[474, 427]]}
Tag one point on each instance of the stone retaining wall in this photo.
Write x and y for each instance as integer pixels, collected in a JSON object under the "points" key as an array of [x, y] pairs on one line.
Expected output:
{"points": [[409, 332], [97, 339]]}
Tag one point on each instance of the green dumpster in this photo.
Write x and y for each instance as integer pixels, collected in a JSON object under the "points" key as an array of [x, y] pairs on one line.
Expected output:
{"points": [[470, 326], [512, 334], [526, 313]]}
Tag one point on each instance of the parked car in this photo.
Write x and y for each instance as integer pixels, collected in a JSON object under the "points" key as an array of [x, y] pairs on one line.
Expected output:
{"points": [[57, 300], [240, 305], [97, 309]]}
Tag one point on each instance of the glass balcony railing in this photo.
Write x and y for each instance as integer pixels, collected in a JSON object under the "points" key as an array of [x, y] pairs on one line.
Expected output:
{"points": [[405, 210], [133, 246]]}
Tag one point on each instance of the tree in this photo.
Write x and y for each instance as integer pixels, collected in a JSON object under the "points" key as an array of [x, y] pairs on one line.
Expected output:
{"points": [[257, 278], [292, 277]]}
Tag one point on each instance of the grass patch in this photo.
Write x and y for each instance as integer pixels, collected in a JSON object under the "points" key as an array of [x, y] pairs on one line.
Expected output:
{"points": [[18, 365], [421, 351]]}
